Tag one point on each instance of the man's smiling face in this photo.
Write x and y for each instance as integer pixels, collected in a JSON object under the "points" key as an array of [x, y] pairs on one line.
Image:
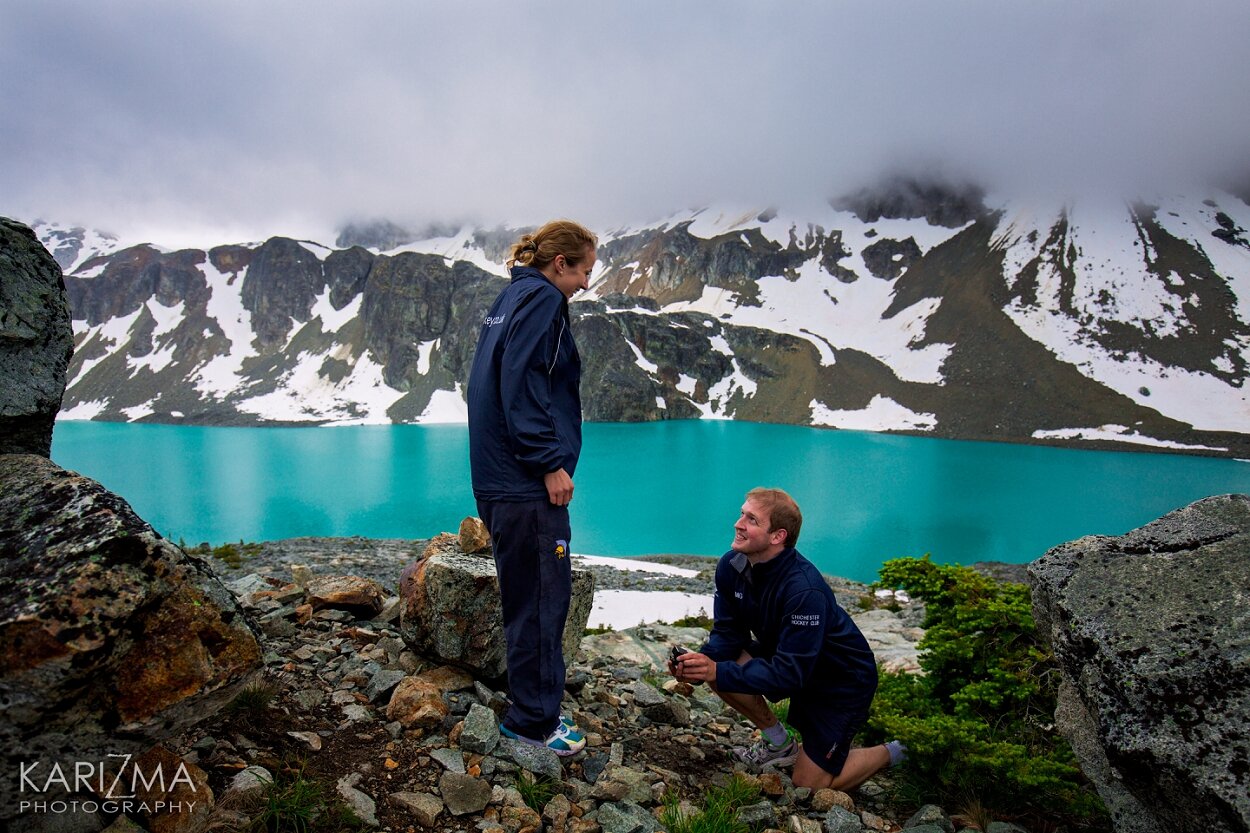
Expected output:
{"points": [[751, 534]]}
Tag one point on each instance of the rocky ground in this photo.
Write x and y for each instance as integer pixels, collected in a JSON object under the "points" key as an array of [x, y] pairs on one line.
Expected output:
{"points": [[412, 746]]}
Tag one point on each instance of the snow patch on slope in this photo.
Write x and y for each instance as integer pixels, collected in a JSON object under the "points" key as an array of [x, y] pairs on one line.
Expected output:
{"points": [[332, 320], [459, 246], [304, 395], [1196, 222], [881, 414], [84, 410], [221, 375], [446, 406], [1108, 256], [1119, 433], [832, 316]]}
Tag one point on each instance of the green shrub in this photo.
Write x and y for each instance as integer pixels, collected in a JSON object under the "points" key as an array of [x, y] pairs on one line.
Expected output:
{"points": [[233, 554], [978, 723], [698, 620]]}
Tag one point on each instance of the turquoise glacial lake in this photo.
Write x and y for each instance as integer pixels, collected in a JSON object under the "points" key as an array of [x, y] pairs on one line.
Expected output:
{"points": [[667, 487]]}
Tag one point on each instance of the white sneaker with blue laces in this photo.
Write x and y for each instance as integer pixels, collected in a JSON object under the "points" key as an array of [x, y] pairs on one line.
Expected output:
{"points": [[567, 739]]}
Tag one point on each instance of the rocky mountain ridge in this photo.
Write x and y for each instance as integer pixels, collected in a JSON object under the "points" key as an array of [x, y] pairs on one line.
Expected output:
{"points": [[912, 309]]}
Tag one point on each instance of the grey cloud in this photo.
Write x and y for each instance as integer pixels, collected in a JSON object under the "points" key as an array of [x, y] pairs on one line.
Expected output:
{"points": [[285, 116]]}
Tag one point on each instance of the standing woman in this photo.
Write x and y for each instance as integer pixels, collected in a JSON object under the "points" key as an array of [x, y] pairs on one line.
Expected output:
{"points": [[525, 435]]}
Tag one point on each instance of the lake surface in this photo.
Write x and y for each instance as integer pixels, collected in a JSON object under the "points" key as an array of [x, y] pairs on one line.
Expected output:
{"points": [[667, 487]]}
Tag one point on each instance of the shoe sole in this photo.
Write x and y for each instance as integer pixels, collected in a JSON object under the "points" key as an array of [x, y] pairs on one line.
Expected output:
{"points": [[538, 744], [779, 762], [787, 760]]}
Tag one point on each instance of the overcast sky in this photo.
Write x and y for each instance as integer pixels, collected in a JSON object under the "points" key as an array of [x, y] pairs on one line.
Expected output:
{"points": [[214, 121]]}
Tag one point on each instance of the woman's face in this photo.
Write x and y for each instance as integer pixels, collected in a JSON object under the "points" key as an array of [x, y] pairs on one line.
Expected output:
{"points": [[569, 278]]}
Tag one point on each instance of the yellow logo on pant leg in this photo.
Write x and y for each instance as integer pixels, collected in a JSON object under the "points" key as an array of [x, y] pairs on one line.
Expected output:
{"points": [[562, 549]]}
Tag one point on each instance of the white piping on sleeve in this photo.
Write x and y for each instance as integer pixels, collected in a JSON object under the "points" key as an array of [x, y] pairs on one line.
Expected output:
{"points": [[556, 354]]}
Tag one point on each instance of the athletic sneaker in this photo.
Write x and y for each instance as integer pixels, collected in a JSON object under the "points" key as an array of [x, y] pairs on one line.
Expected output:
{"points": [[567, 739], [762, 753]]}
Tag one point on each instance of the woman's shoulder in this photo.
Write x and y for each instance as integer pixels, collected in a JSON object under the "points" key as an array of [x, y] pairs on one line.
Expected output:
{"points": [[536, 296]]}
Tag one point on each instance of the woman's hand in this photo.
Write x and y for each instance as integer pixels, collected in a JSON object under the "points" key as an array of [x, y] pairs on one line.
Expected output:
{"points": [[559, 487]]}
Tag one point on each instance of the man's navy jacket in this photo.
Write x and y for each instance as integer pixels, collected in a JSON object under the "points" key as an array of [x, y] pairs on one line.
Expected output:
{"points": [[525, 409], [803, 640]]}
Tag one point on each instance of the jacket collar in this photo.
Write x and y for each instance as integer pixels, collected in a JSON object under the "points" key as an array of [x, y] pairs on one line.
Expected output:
{"points": [[519, 272], [761, 571]]}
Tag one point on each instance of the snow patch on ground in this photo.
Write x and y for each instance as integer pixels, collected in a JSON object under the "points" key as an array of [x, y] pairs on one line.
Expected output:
{"points": [[332, 320], [446, 406], [832, 316], [620, 609], [167, 318], [155, 361], [1109, 264], [1196, 222], [303, 395], [111, 335], [635, 565], [84, 410], [94, 243], [220, 375], [1120, 433], [138, 411], [424, 350], [724, 390], [882, 414], [641, 360], [319, 251], [459, 246]]}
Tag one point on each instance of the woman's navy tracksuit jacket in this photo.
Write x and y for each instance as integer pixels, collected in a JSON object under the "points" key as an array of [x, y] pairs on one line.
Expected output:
{"points": [[525, 420]]}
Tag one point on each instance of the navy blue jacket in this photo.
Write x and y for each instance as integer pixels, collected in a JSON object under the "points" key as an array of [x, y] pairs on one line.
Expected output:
{"points": [[804, 641], [525, 407]]}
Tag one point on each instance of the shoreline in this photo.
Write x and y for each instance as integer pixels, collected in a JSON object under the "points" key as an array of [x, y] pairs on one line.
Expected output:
{"points": [[629, 590]]}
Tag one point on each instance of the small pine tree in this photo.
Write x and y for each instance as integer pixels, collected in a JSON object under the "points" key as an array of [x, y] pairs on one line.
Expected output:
{"points": [[979, 722]]}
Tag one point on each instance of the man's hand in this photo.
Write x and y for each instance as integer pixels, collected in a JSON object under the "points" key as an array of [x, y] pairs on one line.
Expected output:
{"points": [[559, 487], [693, 668]]}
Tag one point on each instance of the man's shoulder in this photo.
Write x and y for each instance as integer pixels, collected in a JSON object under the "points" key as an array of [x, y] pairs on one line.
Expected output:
{"points": [[803, 572]]}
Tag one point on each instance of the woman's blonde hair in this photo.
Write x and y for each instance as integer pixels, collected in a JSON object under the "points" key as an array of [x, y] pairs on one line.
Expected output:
{"points": [[559, 237]]}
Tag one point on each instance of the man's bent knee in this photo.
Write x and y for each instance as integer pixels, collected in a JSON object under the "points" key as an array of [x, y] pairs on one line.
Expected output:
{"points": [[807, 773]]}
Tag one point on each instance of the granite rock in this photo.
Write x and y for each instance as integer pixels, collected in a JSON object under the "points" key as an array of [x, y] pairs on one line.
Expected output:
{"points": [[36, 341], [1151, 631], [111, 637]]}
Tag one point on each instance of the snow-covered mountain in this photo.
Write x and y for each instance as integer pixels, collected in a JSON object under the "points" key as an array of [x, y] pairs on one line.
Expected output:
{"points": [[911, 308]]}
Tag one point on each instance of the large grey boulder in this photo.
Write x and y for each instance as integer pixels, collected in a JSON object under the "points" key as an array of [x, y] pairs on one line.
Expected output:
{"points": [[450, 609], [111, 638], [36, 341], [1152, 633]]}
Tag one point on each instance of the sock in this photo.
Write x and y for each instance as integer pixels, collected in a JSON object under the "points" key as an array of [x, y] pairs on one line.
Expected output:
{"points": [[898, 752], [775, 734]]}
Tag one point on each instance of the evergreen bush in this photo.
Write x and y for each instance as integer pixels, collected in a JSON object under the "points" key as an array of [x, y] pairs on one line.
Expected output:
{"points": [[979, 722]]}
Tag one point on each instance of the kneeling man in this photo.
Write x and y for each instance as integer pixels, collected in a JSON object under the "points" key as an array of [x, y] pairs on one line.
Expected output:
{"points": [[779, 632]]}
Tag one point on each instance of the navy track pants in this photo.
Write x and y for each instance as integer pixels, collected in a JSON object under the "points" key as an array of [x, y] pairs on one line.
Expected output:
{"points": [[531, 546]]}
